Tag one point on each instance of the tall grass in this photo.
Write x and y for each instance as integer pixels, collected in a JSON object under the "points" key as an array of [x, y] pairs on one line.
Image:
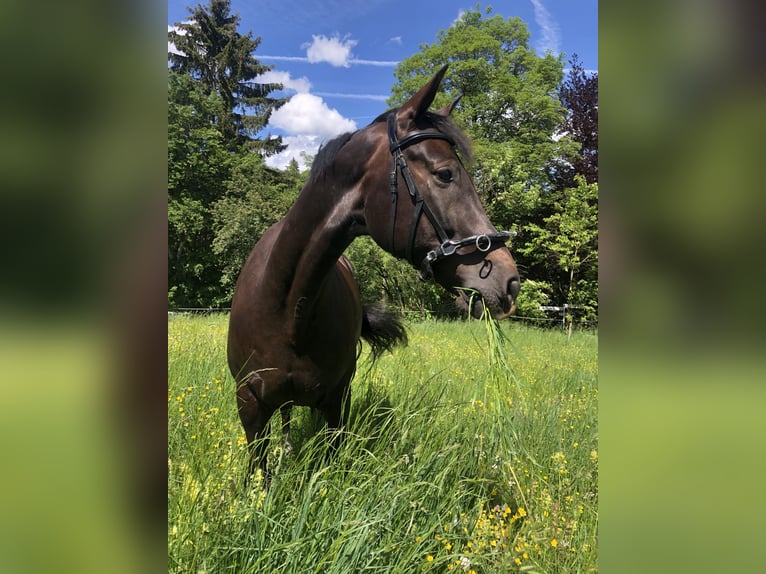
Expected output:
{"points": [[453, 460]]}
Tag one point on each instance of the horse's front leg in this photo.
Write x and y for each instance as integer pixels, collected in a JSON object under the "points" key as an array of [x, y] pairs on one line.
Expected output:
{"points": [[255, 418], [336, 412], [285, 410]]}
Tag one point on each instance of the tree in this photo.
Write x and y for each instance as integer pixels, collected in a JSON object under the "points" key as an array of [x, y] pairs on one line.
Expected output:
{"points": [[567, 244], [509, 108], [383, 277], [579, 93], [221, 60], [257, 197], [215, 110], [198, 167]]}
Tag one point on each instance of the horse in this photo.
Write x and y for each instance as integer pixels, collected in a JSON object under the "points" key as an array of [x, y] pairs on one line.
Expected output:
{"points": [[296, 315]]}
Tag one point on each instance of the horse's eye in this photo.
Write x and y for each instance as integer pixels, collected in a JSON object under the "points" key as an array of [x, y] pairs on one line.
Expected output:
{"points": [[444, 175]]}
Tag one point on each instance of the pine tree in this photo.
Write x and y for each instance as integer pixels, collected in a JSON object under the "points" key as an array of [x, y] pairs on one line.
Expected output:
{"points": [[216, 55]]}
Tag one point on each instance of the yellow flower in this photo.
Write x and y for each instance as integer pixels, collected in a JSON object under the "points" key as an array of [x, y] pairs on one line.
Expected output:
{"points": [[554, 543], [430, 558]]}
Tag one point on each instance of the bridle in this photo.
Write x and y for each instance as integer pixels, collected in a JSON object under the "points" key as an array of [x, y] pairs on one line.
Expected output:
{"points": [[483, 242]]}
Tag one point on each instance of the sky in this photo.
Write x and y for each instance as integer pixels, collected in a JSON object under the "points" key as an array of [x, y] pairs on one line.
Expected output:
{"points": [[336, 58]]}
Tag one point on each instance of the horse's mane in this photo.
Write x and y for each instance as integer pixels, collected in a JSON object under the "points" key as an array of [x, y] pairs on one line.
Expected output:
{"points": [[326, 156], [329, 150]]}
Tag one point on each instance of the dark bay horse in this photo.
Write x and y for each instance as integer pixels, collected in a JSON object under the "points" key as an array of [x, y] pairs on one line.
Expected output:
{"points": [[296, 316]]}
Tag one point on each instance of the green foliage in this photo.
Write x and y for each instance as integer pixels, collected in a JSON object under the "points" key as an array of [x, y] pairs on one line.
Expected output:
{"points": [[198, 167], [221, 196], [382, 277], [512, 108], [447, 461], [508, 107], [567, 242], [536, 293], [257, 197]]}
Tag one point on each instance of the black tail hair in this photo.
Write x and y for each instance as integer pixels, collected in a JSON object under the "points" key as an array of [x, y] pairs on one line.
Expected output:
{"points": [[382, 328]]}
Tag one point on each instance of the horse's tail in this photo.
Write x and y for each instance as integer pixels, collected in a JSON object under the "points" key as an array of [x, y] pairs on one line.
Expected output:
{"points": [[382, 328]]}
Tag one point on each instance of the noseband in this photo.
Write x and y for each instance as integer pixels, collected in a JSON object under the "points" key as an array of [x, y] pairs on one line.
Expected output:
{"points": [[447, 246]]}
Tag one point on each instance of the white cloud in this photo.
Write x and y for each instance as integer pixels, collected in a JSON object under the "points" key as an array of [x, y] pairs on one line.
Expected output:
{"points": [[298, 148], [380, 63], [307, 121], [551, 39], [352, 96], [395, 40], [307, 114], [349, 62], [299, 85], [333, 50], [171, 47]]}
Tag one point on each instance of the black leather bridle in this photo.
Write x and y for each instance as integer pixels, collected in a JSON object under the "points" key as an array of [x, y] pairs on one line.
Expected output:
{"points": [[447, 246]]}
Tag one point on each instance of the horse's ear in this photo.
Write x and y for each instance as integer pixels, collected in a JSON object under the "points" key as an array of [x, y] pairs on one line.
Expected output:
{"points": [[447, 110], [418, 104]]}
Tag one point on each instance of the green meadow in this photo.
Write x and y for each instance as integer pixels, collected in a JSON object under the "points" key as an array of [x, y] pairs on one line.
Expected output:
{"points": [[474, 449]]}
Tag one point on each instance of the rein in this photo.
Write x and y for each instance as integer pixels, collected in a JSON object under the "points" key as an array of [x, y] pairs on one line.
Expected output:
{"points": [[483, 242]]}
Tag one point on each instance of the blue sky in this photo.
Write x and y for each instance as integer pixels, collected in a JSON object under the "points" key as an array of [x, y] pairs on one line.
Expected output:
{"points": [[336, 57]]}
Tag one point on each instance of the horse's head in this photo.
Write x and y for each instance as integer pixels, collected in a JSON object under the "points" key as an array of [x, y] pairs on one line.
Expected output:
{"points": [[432, 215]]}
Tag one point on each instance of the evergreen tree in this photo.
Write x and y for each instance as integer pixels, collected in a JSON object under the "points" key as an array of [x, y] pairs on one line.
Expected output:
{"points": [[221, 59], [215, 110], [198, 167]]}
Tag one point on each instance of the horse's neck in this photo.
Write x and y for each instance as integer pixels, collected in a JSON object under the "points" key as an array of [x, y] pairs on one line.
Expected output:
{"points": [[313, 235]]}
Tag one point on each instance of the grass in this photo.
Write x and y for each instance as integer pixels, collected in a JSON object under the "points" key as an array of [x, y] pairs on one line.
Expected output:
{"points": [[458, 458]]}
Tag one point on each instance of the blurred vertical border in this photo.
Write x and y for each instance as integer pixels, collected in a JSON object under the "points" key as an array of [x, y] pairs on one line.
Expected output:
{"points": [[682, 236], [83, 286]]}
